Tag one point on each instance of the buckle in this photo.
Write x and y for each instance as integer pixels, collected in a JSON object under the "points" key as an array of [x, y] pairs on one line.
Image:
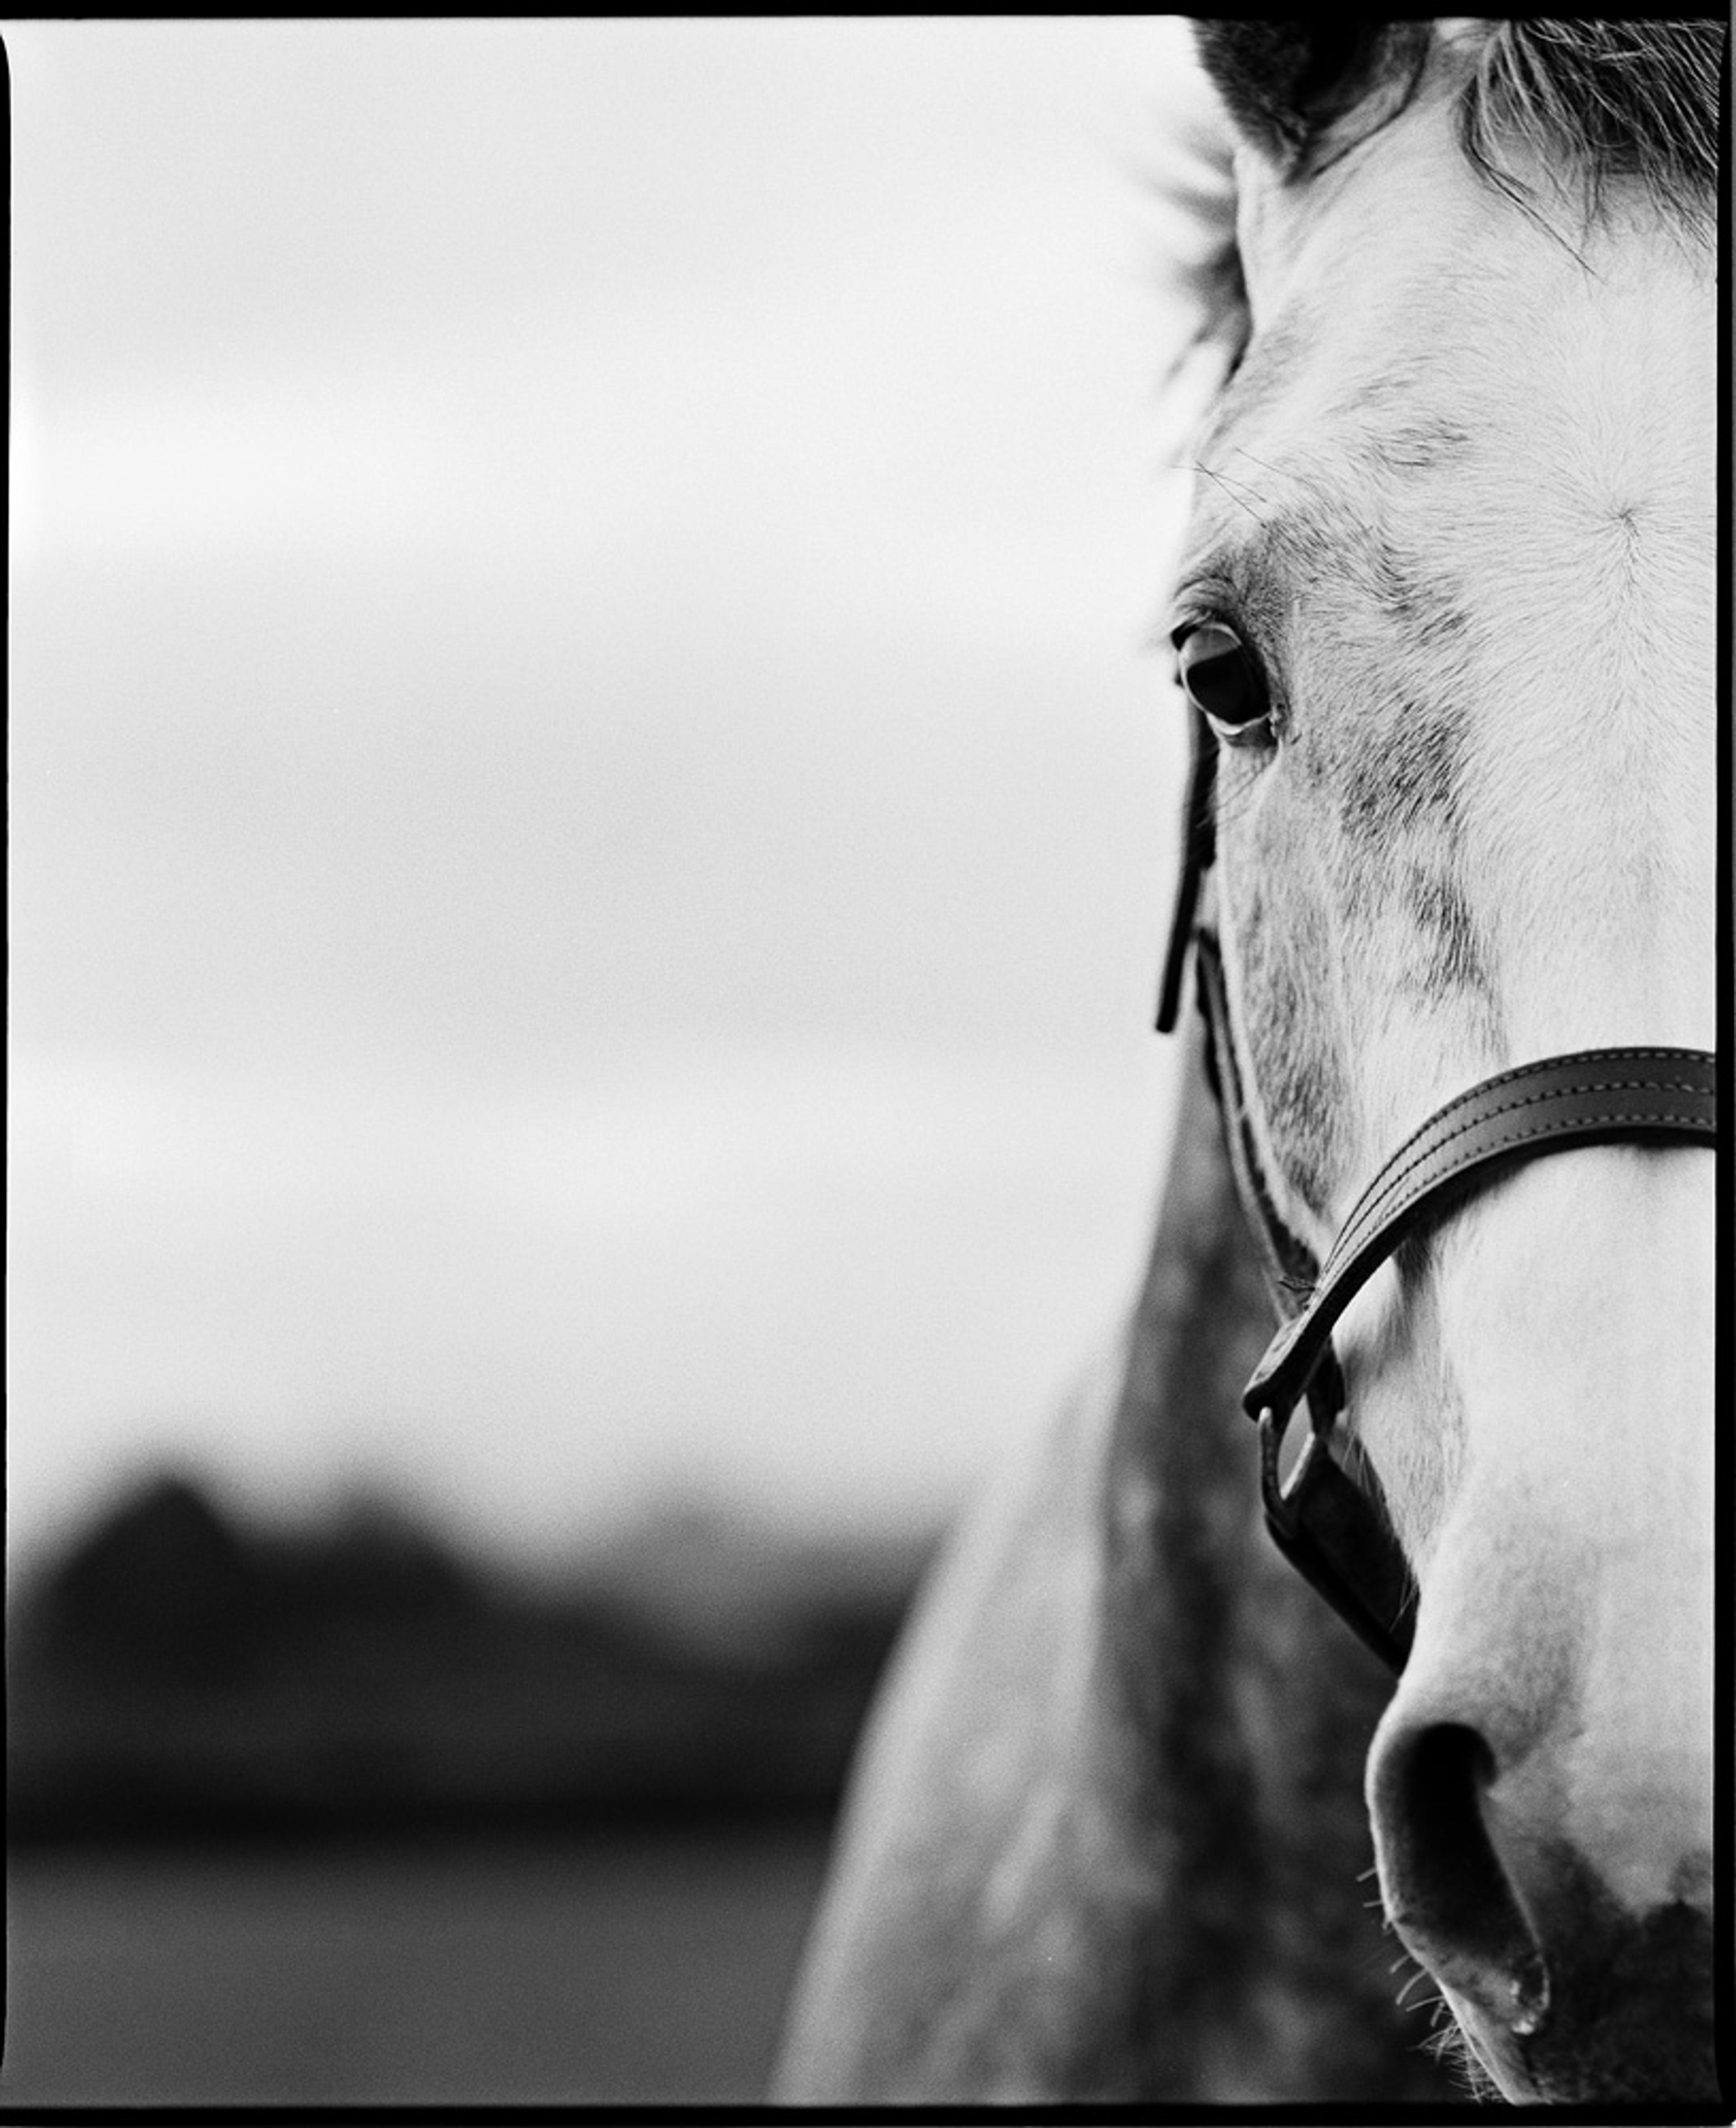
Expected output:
{"points": [[1335, 1536]]}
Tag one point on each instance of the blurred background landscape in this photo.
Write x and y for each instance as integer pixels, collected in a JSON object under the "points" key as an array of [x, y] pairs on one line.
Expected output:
{"points": [[340, 1813], [591, 816], [183, 1673]]}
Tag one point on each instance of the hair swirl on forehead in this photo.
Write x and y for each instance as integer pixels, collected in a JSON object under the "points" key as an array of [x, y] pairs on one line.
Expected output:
{"points": [[1600, 101]]}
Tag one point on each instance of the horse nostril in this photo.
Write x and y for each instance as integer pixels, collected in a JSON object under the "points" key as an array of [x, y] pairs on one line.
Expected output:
{"points": [[1448, 1894]]}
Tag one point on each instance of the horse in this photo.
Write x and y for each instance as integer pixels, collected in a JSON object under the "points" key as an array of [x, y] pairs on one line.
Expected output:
{"points": [[1136, 1816]]}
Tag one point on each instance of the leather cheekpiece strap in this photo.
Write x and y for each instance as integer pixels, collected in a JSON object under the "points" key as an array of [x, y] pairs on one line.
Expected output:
{"points": [[1199, 839]]}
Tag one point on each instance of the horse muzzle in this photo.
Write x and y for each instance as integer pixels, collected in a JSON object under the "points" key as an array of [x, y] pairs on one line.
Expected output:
{"points": [[1541, 1786], [1567, 1993]]}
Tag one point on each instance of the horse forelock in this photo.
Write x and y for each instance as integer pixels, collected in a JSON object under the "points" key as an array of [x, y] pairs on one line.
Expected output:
{"points": [[1596, 102]]}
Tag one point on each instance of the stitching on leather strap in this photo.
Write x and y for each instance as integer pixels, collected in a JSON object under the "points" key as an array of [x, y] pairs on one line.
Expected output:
{"points": [[1394, 1176], [1396, 1193], [1550, 1064], [1596, 1120]]}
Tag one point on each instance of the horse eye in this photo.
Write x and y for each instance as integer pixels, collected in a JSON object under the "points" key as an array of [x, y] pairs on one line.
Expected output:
{"points": [[1223, 680]]}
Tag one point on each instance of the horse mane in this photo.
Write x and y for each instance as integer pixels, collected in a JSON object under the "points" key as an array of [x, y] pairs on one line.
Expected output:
{"points": [[1593, 100]]}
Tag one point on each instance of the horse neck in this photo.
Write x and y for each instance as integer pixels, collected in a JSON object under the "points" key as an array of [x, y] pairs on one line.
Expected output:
{"points": [[1240, 1709]]}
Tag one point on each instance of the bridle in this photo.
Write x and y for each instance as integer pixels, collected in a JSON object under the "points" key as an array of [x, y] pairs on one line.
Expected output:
{"points": [[1325, 1513]]}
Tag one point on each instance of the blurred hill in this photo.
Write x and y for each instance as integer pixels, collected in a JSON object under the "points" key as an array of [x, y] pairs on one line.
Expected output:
{"points": [[176, 1671]]}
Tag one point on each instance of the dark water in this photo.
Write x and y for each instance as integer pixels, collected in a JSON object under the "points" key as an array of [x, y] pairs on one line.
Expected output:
{"points": [[636, 1966]]}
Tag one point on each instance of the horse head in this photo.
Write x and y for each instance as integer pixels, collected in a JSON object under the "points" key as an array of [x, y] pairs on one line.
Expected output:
{"points": [[1445, 618]]}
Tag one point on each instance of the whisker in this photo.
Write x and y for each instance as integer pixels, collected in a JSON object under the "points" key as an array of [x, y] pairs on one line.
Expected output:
{"points": [[1195, 466], [1241, 450], [1417, 1979]]}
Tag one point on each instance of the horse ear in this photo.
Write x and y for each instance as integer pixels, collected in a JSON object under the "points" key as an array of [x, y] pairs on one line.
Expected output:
{"points": [[1304, 92]]}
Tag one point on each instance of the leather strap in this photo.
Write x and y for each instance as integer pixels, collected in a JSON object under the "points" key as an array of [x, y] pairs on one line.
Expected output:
{"points": [[1291, 1268], [1198, 839], [1590, 1097]]}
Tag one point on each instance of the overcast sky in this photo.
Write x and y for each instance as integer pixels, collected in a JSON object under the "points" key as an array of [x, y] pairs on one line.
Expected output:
{"points": [[590, 808]]}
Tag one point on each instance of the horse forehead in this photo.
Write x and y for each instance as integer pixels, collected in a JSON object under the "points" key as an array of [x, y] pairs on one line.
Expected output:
{"points": [[1411, 321]]}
